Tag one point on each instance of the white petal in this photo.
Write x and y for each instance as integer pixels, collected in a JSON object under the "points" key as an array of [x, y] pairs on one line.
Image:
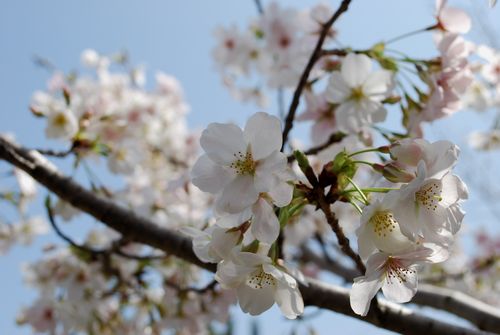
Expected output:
{"points": [[355, 69], [238, 195], [377, 84], [222, 141], [263, 133], [208, 176], [337, 91], [234, 220], [362, 292], [402, 289], [230, 275], [289, 300], [265, 225], [366, 247], [223, 242], [281, 193], [255, 301]]}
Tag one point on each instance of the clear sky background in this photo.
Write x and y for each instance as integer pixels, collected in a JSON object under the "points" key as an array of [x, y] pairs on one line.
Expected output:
{"points": [[176, 37]]}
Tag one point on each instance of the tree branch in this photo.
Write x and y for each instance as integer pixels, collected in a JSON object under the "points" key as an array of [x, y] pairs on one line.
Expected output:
{"points": [[344, 6], [142, 230]]}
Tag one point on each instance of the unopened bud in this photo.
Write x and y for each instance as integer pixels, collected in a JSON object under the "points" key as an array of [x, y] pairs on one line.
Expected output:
{"points": [[393, 173]]}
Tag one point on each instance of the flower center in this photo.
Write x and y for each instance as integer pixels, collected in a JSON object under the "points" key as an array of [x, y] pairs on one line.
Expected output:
{"points": [[395, 271], [383, 223], [429, 196], [244, 163], [259, 280], [60, 120], [357, 94]]}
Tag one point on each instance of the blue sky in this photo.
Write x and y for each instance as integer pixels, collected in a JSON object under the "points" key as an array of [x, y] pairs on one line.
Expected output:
{"points": [[176, 37]]}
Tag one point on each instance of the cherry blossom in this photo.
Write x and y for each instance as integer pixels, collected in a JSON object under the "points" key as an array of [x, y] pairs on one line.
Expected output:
{"points": [[359, 92], [259, 284], [395, 273]]}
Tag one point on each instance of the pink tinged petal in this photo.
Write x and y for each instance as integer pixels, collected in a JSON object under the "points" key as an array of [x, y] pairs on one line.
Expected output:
{"points": [[440, 5], [222, 141], [455, 20], [355, 69], [263, 133], [378, 84], [289, 300], [337, 90], [255, 301], [208, 176], [400, 284], [265, 225], [237, 195], [362, 292]]}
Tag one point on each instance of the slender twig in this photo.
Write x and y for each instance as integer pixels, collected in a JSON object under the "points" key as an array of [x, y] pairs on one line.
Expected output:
{"points": [[200, 290], [344, 6], [334, 138], [342, 239], [96, 252], [53, 153], [258, 4]]}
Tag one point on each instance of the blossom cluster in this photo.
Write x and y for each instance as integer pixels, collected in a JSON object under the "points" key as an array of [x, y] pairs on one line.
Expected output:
{"points": [[275, 48], [248, 175], [245, 205], [109, 116]]}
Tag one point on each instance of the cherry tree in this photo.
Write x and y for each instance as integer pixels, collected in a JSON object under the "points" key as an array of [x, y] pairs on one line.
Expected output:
{"points": [[246, 214]]}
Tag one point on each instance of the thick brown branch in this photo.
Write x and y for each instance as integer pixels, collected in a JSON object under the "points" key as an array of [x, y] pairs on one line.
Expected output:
{"points": [[344, 6], [142, 230]]}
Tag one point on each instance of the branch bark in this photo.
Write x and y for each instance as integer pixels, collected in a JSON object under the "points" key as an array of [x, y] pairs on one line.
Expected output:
{"points": [[142, 230]]}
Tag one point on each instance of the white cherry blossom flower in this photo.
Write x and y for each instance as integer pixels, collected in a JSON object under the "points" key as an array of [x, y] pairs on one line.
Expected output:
{"points": [[61, 124], [214, 243], [429, 208], [395, 273], [485, 140], [380, 230], [359, 91], [451, 19], [439, 157], [259, 284], [239, 166]]}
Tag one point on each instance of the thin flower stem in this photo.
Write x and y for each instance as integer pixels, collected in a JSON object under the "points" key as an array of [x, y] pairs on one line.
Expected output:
{"points": [[363, 162], [360, 192], [371, 190], [363, 151], [411, 33], [355, 205]]}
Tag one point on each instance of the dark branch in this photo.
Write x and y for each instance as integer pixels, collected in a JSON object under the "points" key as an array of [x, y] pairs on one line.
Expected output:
{"points": [[344, 6]]}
